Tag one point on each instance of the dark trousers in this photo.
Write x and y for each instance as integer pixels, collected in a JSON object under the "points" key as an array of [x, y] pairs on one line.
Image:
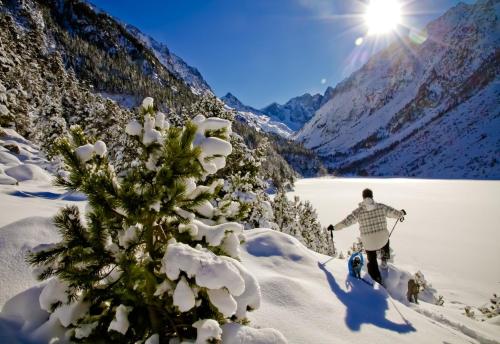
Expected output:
{"points": [[372, 262]]}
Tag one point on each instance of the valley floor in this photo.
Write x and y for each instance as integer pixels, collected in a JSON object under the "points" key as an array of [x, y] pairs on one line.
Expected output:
{"points": [[450, 234]]}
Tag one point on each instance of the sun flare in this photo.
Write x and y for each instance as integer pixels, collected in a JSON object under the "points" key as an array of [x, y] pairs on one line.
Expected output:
{"points": [[382, 16]]}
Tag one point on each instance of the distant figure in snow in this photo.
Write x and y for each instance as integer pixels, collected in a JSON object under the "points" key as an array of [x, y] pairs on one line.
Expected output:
{"points": [[413, 290], [372, 221]]}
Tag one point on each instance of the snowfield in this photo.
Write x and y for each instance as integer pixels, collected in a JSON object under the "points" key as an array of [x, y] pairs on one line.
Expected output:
{"points": [[314, 303], [450, 235]]}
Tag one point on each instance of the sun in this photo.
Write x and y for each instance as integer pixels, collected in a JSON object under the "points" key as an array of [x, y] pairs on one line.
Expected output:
{"points": [[382, 16]]}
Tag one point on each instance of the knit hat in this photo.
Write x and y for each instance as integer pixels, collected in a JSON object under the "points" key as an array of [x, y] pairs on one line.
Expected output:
{"points": [[367, 193]]}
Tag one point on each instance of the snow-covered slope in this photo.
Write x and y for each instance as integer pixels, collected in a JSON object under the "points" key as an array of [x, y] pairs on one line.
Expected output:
{"points": [[296, 112], [311, 302], [463, 144], [450, 238], [27, 204], [450, 232], [281, 119], [21, 160], [173, 63], [256, 118], [406, 95]]}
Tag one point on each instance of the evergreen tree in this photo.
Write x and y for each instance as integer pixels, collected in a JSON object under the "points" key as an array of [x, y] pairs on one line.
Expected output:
{"points": [[243, 197], [246, 187], [146, 261], [285, 214], [300, 220]]}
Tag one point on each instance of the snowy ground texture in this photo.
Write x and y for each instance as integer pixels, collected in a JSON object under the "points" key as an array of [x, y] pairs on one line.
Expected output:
{"points": [[449, 235]]}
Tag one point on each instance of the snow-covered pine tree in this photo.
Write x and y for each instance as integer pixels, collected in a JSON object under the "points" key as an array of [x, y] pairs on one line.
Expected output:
{"points": [[209, 104], [243, 197], [6, 117], [285, 215], [248, 186], [145, 263], [316, 238], [300, 220]]}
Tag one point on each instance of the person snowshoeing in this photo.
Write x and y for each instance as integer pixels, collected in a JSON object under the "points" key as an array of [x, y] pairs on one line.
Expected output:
{"points": [[372, 221]]}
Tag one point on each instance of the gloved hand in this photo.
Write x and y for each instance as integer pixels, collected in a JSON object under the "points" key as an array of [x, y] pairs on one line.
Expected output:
{"points": [[330, 228], [403, 211]]}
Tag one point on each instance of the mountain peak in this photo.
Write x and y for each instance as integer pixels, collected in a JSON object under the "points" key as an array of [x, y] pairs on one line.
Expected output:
{"points": [[406, 94], [297, 111], [229, 95], [232, 101], [256, 118]]}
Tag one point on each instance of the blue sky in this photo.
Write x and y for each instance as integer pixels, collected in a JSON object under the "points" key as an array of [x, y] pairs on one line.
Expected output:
{"points": [[265, 51]]}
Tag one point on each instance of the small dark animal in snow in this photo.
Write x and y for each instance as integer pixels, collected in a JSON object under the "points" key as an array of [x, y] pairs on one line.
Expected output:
{"points": [[356, 266], [413, 290]]}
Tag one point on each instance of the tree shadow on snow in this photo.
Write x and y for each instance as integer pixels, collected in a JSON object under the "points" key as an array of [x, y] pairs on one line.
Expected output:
{"points": [[68, 196], [364, 305]]}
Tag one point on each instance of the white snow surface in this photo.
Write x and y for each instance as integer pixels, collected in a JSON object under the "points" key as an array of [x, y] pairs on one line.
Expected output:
{"points": [[26, 210], [224, 301], [133, 128], [154, 339], [27, 172], [53, 292], [21, 160], [85, 152], [120, 323], [207, 329], [309, 302], [100, 148], [147, 102], [124, 100], [184, 297], [233, 333], [450, 234], [214, 150], [210, 270]]}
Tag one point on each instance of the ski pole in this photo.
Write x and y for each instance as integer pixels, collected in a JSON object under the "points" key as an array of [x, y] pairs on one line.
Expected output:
{"points": [[327, 261], [398, 220]]}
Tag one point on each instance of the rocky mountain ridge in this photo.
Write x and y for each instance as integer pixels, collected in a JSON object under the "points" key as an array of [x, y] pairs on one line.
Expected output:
{"points": [[409, 91]]}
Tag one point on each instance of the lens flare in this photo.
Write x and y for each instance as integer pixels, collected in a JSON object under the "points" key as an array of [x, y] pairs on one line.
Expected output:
{"points": [[382, 16]]}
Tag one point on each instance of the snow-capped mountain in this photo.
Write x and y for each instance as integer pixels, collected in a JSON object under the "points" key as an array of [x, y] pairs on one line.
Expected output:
{"points": [[304, 161], [297, 111], [293, 114], [112, 58], [427, 106], [230, 100], [256, 118], [174, 63]]}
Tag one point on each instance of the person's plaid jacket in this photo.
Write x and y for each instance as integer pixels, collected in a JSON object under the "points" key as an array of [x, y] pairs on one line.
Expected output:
{"points": [[370, 221]]}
